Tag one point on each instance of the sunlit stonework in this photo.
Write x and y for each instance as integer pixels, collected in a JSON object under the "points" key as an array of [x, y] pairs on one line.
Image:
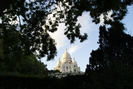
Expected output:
{"points": [[66, 65]]}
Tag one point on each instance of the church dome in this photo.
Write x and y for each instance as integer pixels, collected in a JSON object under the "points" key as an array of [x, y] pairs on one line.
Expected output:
{"points": [[59, 63], [66, 57], [74, 62]]}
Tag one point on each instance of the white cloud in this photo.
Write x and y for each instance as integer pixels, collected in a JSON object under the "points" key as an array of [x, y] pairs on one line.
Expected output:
{"points": [[86, 27], [59, 36], [86, 22], [74, 48], [61, 39]]}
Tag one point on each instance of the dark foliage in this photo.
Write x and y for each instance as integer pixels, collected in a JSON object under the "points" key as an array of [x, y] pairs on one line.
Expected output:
{"points": [[25, 30], [115, 48], [116, 78], [34, 22], [16, 58], [33, 15]]}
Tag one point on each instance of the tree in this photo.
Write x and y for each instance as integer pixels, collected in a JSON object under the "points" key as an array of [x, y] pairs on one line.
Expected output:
{"points": [[34, 19], [30, 18], [33, 36], [5, 4], [115, 48], [16, 60]]}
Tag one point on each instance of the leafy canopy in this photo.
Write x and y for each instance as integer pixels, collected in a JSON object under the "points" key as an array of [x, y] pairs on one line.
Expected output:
{"points": [[35, 19]]}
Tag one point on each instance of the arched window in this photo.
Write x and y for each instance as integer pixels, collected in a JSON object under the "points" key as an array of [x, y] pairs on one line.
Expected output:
{"points": [[74, 70], [67, 68], [63, 69]]}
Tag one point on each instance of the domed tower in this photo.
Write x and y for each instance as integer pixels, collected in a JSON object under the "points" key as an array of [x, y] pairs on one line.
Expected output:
{"points": [[66, 58], [66, 65], [66, 62], [74, 62], [58, 65], [75, 69]]}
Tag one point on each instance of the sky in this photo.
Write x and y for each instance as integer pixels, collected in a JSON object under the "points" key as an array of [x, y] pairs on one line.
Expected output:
{"points": [[81, 51]]}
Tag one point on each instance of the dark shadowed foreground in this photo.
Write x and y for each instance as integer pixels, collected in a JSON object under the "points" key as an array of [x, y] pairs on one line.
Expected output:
{"points": [[116, 78]]}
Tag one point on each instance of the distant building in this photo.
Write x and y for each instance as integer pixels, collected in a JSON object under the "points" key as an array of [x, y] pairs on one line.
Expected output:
{"points": [[67, 66]]}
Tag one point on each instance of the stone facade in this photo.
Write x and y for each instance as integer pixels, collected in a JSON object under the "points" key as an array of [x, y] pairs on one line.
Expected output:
{"points": [[66, 65]]}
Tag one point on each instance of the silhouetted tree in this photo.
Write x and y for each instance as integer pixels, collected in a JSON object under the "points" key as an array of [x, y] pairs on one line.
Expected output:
{"points": [[115, 48], [34, 21], [16, 59]]}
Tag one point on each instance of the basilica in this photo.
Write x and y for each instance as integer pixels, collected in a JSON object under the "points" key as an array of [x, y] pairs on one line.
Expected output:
{"points": [[66, 65]]}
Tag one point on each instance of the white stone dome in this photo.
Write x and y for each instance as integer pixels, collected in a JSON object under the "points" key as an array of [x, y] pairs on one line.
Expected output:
{"points": [[66, 57], [74, 62], [59, 63]]}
